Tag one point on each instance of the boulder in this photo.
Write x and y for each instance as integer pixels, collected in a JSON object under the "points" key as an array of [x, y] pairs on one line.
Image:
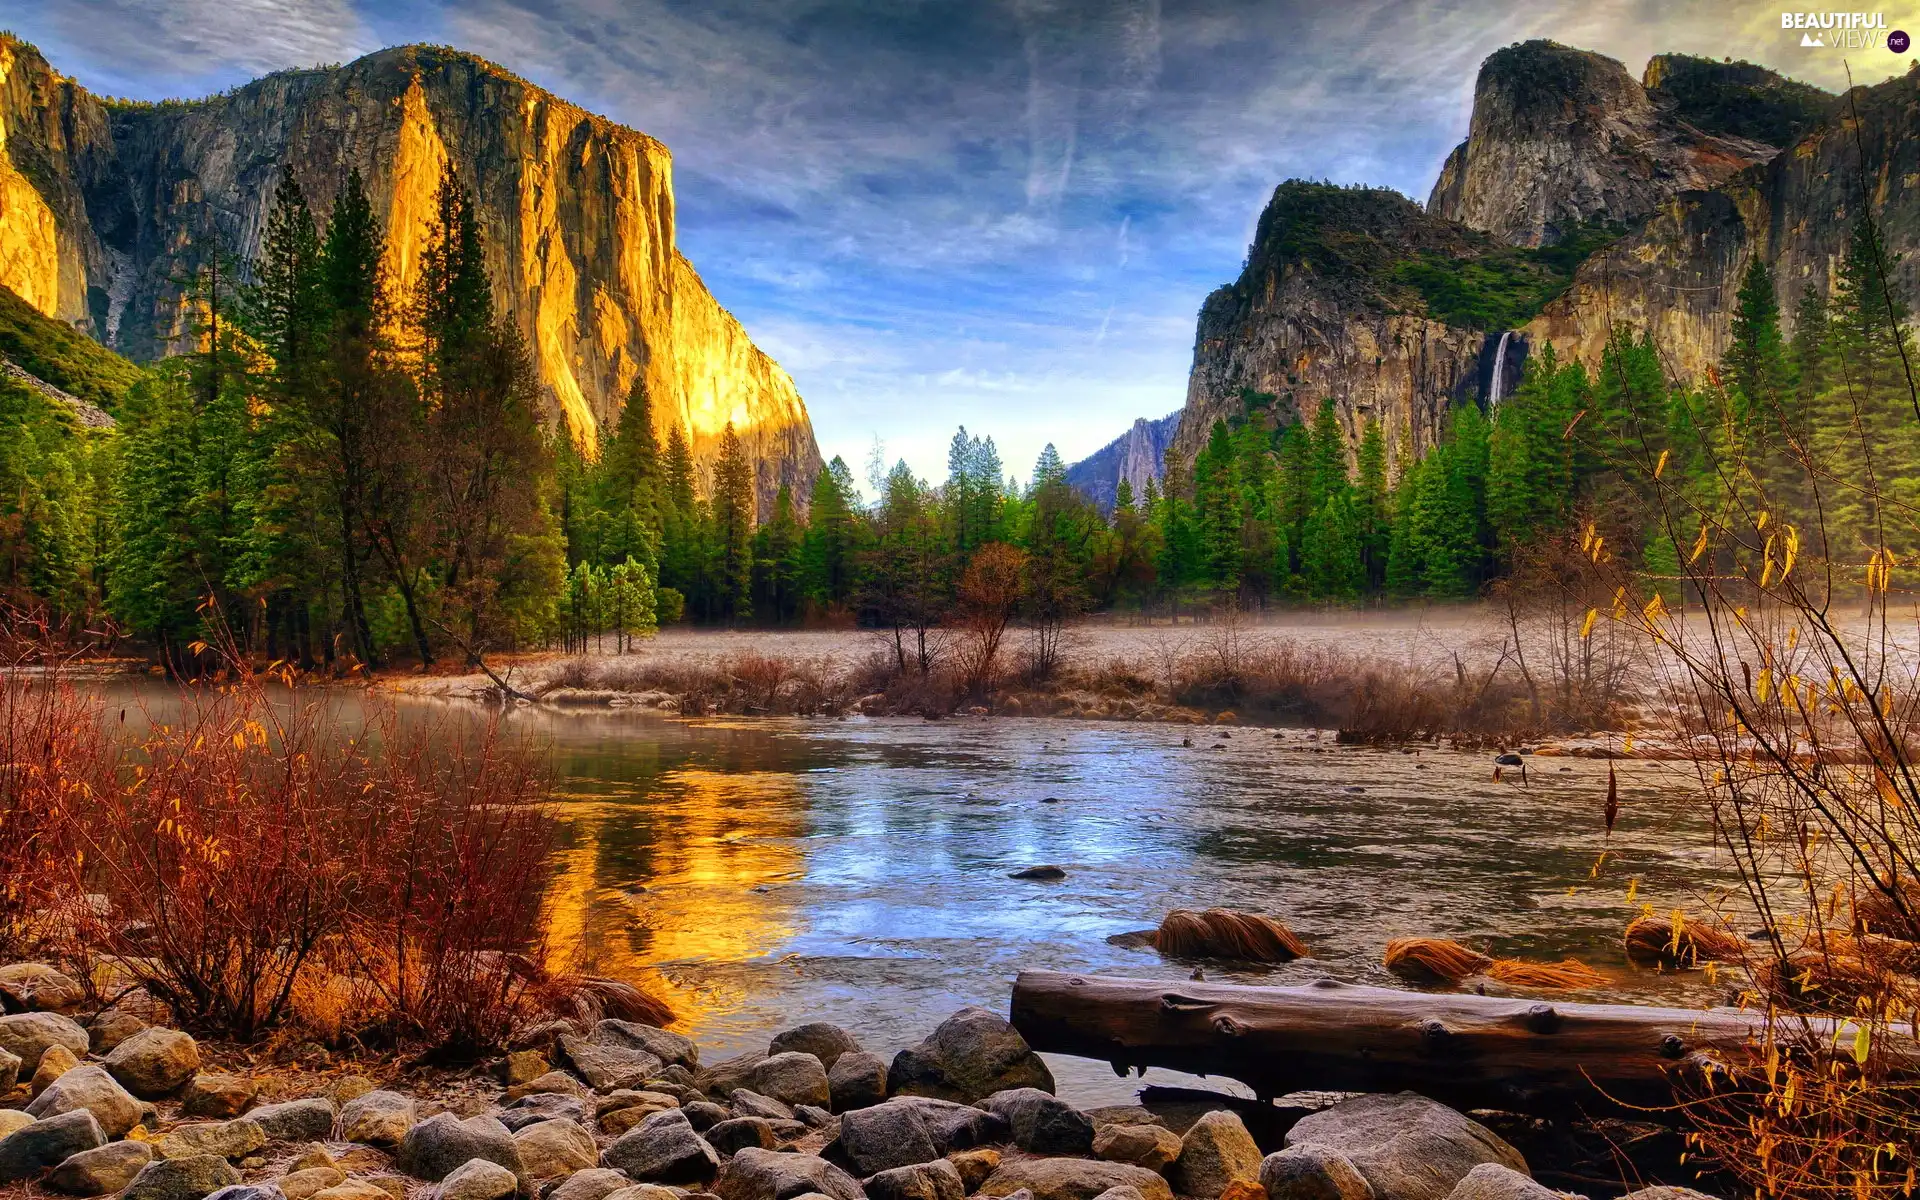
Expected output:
{"points": [[749, 1103], [791, 1078], [213, 1094], [36, 987], [1042, 1124], [663, 1148], [856, 1080], [154, 1062], [353, 1189], [301, 1184], [546, 1106], [1405, 1146], [702, 1114], [651, 1101], [100, 1170], [631, 1035], [181, 1179], [9, 1071], [1216, 1151], [607, 1067], [92, 1089], [753, 1174], [313, 1154], [721, 1078], [552, 1081], [553, 1148], [478, 1179], [956, 1126], [1151, 1146], [45, 1144], [436, 1146], [1072, 1179], [825, 1042], [974, 1166], [521, 1066], [12, 1119], [883, 1137], [1665, 1192], [816, 1118], [225, 1139], [739, 1133], [381, 1118], [936, 1180], [57, 1061], [1491, 1181], [681, 1092], [620, 1120], [1312, 1173], [297, 1120], [112, 1027], [248, 1191], [594, 1183], [972, 1055], [349, 1088], [26, 1036], [649, 1191]]}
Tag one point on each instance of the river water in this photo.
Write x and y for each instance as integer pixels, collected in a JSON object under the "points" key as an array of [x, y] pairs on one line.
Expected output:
{"points": [[766, 872]]}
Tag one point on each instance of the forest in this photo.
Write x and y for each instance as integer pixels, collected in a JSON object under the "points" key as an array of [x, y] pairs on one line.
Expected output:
{"points": [[339, 475]]}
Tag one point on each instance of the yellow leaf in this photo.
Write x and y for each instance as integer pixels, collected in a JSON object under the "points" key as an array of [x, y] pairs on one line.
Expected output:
{"points": [[1862, 1043], [1627, 746], [1761, 523], [1633, 888], [1699, 546], [1586, 626], [1655, 609], [1662, 464]]}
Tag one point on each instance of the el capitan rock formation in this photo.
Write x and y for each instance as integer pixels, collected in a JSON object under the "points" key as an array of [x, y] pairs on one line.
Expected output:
{"points": [[104, 206], [1134, 456]]}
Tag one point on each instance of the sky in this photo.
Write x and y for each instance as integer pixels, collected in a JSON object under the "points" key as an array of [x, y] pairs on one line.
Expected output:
{"points": [[997, 213]]}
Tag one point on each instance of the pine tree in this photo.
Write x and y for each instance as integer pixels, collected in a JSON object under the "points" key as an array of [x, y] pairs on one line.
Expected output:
{"points": [[734, 516], [777, 561], [828, 546], [1329, 445], [1332, 554], [1373, 505], [1216, 494]]}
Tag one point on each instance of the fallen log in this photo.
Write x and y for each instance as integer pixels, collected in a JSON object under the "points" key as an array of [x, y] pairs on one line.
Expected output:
{"points": [[1465, 1050]]}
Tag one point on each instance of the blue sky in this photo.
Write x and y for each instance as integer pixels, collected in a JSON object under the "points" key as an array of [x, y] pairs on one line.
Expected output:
{"points": [[1002, 213]]}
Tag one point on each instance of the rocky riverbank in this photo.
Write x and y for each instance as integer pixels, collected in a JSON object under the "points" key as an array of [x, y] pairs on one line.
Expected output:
{"points": [[97, 1103]]}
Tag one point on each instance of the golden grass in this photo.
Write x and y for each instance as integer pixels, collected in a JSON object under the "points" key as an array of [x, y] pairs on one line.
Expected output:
{"points": [[1442, 960], [1569, 974], [1223, 933], [1677, 941]]}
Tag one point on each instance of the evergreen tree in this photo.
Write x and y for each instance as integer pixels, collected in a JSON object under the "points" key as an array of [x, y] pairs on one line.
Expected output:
{"points": [[828, 546], [777, 561], [1216, 491], [1332, 552], [1373, 505], [733, 523]]}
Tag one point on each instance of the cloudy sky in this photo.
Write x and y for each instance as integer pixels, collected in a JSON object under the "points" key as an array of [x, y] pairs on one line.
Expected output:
{"points": [[1002, 213]]}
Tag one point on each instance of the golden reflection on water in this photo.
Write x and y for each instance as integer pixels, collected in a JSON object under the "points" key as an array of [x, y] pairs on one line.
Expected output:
{"points": [[669, 876]]}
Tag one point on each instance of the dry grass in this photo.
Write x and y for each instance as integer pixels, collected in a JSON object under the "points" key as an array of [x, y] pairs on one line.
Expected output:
{"points": [[1221, 933], [1678, 941], [1441, 960]]}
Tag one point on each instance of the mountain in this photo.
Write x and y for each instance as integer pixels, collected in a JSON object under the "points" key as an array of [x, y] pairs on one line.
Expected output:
{"points": [[1134, 456], [105, 206]]}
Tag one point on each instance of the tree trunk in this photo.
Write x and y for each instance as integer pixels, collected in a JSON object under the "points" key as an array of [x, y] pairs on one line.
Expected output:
{"points": [[1469, 1051]]}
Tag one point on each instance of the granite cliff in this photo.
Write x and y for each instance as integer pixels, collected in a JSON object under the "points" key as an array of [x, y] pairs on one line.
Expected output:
{"points": [[1135, 456], [105, 206]]}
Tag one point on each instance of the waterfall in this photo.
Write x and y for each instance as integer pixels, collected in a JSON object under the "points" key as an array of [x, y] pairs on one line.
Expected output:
{"points": [[1499, 371]]}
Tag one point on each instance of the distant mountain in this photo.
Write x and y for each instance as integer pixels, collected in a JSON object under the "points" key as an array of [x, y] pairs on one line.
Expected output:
{"points": [[1134, 456]]}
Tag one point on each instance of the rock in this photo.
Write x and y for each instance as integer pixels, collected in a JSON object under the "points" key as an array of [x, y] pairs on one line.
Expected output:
{"points": [[546, 1106], [723, 1077], [1406, 1146], [956, 1126], [1666, 1192], [607, 1067], [682, 1093], [439, 1144], [553, 1081], [154, 1062], [1491, 1181], [213, 1094], [620, 1120], [749, 1103], [815, 1118], [856, 1080], [47, 1143], [226, 1139], [1216, 1151], [90, 1088], [702, 1114], [299, 1185], [353, 1189], [790, 1131], [1151, 1146], [348, 1088], [650, 1100], [382, 1118], [248, 1191], [668, 1047], [521, 1066], [57, 1061], [312, 1155], [1044, 873], [297, 1120], [36, 987], [112, 1027], [1072, 1179], [753, 1174], [936, 1180], [181, 1178], [974, 1166], [825, 1042], [1123, 1192], [9, 1071], [883, 1137], [13, 1120], [554, 1148], [1041, 1124], [1312, 1173], [739, 1133], [792, 1077], [478, 1179], [594, 1183], [972, 1055], [663, 1148], [26, 1036], [650, 1191], [100, 1170]]}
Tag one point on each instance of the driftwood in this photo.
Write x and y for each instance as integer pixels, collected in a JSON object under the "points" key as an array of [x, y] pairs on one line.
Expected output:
{"points": [[1468, 1051]]}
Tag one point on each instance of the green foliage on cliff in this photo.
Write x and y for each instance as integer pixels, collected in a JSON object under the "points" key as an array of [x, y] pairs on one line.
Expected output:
{"points": [[1504, 287], [1738, 99], [62, 355]]}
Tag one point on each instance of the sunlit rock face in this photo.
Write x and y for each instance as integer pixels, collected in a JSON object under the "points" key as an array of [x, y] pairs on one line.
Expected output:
{"points": [[578, 214]]}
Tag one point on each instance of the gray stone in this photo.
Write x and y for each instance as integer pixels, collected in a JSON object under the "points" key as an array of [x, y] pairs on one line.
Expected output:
{"points": [[90, 1088], [1406, 1146], [554, 1148], [857, 1080], [380, 1118], [704, 1114], [9, 1070], [1072, 1179], [739, 1133], [1216, 1151], [663, 1149], [436, 1146], [478, 1179], [650, 1100], [1042, 1124], [12, 1120], [1312, 1173], [212, 1094], [936, 1180], [520, 1066], [650, 1191], [546, 1106], [1151, 1146], [956, 1126], [825, 1042], [154, 1062], [972, 1055], [681, 1092], [755, 1174], [594, 1183], [304, 1182], [721, 1079], [1666, 1192], [791, 1078], [1491, 1181], [1123, 1192], [47, 1143], [100, 1170], [226, 1139], [26, 1036], [55, 1062], [551, 1082], [666, 1046], [297, 1120], [607, 1067], [750, 1103], [249, 1191], [883, 1137], [37, 987], [815, 1118], [181, 1179], [112, 1027]]}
